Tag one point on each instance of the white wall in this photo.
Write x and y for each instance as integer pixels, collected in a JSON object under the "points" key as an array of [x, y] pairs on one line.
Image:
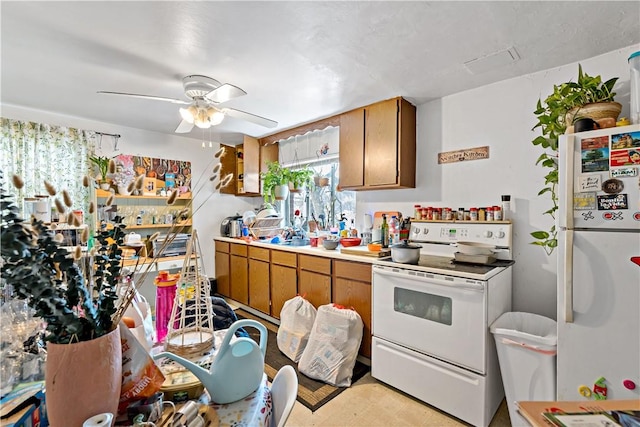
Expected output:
{"points": [[214, 206], [501, 116]]}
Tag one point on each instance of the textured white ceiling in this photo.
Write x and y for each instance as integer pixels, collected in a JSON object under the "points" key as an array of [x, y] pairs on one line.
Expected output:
{"points": [[298, 61]]}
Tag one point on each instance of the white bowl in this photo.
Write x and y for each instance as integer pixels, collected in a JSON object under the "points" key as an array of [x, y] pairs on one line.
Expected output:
{"points": [[475, 248]]}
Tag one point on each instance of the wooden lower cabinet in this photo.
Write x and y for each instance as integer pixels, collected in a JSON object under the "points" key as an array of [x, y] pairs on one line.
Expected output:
{"points": [[315, 287], [314, 279], [352, 288], [284, 286], [259, 295], [239, 280], [284, 279], [222, 269]]}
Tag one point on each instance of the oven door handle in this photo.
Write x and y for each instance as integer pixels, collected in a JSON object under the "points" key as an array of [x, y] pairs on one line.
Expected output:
{"points": [[454, 283]]}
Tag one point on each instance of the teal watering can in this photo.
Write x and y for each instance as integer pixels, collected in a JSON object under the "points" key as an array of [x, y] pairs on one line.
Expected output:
{"points": [[237, 369]]}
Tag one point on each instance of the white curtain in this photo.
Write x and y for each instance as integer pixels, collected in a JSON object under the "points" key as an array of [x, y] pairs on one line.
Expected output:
{"points": [[312, 147], [37, 152]]}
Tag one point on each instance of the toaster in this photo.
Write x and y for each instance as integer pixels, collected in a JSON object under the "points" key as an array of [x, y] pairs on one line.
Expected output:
{"points": [[230, 227]]}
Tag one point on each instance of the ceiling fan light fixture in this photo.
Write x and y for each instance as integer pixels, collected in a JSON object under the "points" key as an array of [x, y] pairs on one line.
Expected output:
{"points": [[189, 114], [202, 119], [215, 116]]}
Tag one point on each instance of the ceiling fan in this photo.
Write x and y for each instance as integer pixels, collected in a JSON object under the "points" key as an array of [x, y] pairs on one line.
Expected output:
{"points": [[202, 110]]}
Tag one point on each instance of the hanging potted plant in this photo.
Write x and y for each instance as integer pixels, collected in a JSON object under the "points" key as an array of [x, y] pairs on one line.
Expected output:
{"points": [[588, 97], [275, 182], [103, 165], [300, 178]]}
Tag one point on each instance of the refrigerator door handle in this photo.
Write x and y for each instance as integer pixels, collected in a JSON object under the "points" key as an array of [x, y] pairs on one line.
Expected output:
{"points": [[569, 177], [568, 277]]}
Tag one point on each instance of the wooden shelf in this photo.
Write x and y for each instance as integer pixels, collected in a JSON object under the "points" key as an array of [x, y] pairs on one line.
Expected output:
{"points": [[462, 222], [179, 224], [105, 194]]}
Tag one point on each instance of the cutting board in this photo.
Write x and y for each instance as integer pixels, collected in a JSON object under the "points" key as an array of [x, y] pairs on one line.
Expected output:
{"points": [[363, 251]]}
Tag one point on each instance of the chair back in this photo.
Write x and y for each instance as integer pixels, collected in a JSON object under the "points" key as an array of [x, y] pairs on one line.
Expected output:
{"points": [[284, 391]]}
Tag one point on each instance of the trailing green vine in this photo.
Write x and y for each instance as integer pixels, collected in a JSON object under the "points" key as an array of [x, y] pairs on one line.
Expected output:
{"points": [[551, 115]]}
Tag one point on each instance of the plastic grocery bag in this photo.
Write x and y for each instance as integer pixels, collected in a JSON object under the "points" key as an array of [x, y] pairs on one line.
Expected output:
{"points": [[296, 321], [140, 311], [333, 345]]}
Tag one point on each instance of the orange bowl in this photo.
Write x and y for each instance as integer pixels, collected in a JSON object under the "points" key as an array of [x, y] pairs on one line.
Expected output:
{"points": [[374, 247], [350, 241]]}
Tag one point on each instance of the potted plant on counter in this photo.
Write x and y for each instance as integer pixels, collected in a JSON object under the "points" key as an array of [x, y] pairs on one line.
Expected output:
{"points": [[103, 169], [588, 97], [275, 182]]}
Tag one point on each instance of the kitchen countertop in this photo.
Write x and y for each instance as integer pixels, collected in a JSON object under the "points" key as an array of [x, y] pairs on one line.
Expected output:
{"points": [[308, 250]]}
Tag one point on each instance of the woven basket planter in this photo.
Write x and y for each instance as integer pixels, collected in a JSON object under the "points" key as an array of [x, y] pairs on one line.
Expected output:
{"points": [[595, 111]]}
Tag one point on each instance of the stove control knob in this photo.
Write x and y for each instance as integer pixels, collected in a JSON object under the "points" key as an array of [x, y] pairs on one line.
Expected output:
{"points": [[416, 230], [425, 231], [487, 233], [500, 234]]}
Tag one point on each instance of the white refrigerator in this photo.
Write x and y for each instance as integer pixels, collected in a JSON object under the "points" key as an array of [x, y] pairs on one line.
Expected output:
{"points": [[599, 265]]}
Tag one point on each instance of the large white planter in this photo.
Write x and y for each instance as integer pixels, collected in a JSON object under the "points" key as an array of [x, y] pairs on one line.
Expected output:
{"points": [[281, 192]]}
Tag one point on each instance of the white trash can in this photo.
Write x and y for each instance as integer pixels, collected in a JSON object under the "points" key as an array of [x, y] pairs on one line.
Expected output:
{"points": [[526, 345]]}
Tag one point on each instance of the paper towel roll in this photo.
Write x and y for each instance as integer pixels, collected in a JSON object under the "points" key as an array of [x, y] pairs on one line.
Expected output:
{"points": [[100, 420]]}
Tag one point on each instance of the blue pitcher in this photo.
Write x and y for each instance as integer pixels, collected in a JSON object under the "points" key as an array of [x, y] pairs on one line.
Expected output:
{"points": [[237, 368]]}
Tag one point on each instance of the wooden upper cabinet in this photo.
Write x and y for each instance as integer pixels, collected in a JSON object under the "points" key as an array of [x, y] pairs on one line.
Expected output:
{"points": [[387, 135], [246, 161], [228, 166], [352, 142], [251, 174]]}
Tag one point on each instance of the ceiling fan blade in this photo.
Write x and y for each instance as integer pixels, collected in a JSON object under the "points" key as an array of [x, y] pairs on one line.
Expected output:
{"points": [[155, 98], [184, 127], [224, 93], [262, 121]]}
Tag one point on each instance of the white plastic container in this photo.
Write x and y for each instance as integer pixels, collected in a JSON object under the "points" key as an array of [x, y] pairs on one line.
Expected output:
{"points": [[634, 68], [526, 345]]}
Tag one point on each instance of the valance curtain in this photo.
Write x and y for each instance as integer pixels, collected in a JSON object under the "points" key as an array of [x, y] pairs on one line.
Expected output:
{"points": [[38, 152], [312, 147]]}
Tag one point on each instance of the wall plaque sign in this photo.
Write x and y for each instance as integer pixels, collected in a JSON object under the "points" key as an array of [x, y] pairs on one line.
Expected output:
{"points": [[476, 153]]}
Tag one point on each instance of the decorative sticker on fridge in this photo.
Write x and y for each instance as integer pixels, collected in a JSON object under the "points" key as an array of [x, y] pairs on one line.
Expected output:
{"points": [[624, 172], [612, 216], [584, 201], [589, 183], [625, 140], [612, 202], [586, 216], [595, 154], [636, 216], [625, 158], [612, 186]]}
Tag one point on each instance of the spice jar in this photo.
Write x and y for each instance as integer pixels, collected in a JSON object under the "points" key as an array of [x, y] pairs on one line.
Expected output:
{"points": [[435, 214], [473, 214], [497, 213], [460, 216], [489, 213], [417, 212]]}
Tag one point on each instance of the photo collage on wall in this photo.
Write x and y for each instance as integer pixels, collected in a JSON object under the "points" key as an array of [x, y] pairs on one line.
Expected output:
{"points": [[174, 173]]}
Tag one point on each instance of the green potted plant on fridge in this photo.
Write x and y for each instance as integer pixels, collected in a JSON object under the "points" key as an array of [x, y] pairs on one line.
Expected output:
{"points": [[588, 97]]}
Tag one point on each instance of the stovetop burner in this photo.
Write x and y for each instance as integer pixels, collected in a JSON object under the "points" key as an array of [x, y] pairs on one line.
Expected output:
{"points": [[447, 265]]}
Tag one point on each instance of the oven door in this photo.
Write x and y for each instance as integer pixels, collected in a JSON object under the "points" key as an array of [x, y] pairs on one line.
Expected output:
{"points": [[442, 316]]}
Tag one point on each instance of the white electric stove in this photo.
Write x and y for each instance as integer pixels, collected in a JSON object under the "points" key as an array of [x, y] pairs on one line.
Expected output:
{"points": [[431, 320]]}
